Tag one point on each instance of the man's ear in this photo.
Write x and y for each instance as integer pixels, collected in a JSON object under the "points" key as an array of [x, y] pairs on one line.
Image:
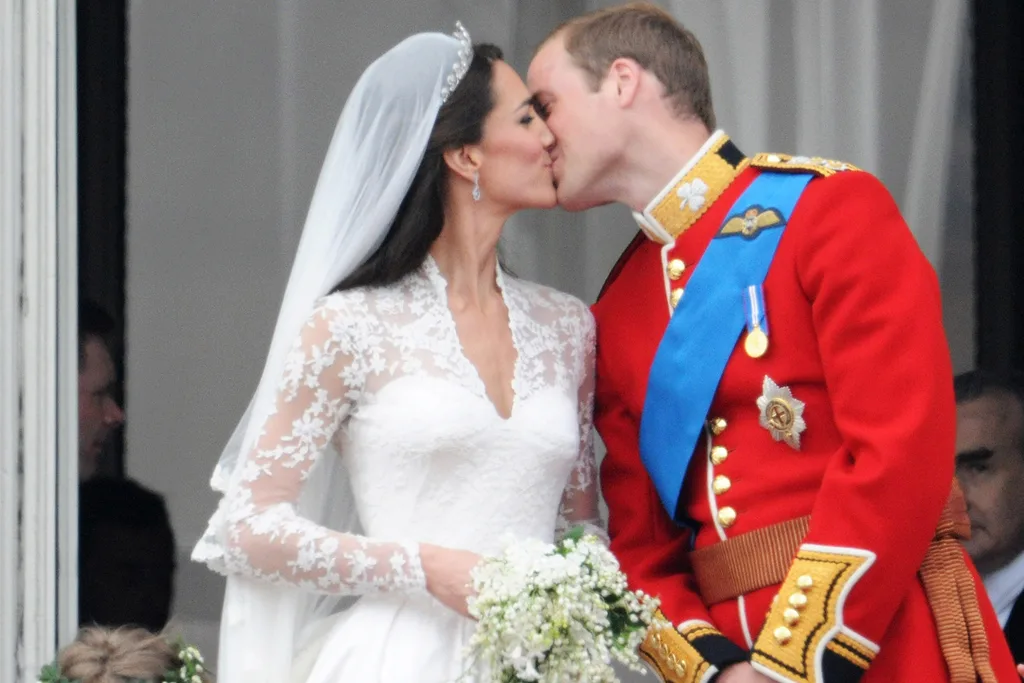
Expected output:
{"points": [[624, 76], [464, 161]]}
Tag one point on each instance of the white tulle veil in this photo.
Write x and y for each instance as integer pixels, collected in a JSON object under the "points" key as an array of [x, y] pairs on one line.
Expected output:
{"points": [[376, 149]]}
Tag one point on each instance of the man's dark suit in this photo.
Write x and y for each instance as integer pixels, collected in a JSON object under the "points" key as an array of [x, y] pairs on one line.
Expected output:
{"points": [[1014, 629]]}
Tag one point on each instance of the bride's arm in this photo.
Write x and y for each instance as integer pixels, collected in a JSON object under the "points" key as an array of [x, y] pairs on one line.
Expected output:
{"points": [[267, 538], [579, 505]]}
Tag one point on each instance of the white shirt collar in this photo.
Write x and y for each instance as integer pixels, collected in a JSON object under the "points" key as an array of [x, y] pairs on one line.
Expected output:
{"points": [[1004, 586]]}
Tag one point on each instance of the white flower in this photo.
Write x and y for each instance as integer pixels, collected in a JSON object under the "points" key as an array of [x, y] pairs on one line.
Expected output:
{"points": [[545, 614], [693, 194]]}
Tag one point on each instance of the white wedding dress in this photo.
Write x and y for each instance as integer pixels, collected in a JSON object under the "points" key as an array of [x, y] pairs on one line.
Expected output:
{"points": [[380, 374]]}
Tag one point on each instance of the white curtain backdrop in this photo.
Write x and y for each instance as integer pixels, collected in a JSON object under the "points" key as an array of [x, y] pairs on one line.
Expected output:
{"points": [[870, 82]]}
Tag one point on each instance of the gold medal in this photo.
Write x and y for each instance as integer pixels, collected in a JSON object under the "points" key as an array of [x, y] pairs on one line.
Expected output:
{"points": [[756, 343]]}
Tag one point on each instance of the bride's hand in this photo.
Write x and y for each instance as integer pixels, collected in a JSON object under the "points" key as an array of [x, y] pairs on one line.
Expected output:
{"points": [[448, 575]]}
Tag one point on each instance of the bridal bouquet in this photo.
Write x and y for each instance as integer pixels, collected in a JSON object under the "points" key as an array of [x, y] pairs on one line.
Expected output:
{"points": [[556, 613]]}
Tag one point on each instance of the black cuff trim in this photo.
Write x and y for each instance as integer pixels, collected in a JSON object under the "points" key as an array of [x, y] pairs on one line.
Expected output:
{"points": [[837, 669], [719, 651]]}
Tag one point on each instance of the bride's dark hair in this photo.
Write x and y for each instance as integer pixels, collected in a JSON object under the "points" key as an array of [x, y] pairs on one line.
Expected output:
{"points": [[420, 217]]}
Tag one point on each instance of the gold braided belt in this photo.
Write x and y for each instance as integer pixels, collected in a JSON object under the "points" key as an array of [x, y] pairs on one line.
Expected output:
{"points": [[762, 558]]}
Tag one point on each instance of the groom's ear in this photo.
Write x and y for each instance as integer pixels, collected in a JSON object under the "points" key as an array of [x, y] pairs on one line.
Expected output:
{"points": [[624, 77], [463, 161]]}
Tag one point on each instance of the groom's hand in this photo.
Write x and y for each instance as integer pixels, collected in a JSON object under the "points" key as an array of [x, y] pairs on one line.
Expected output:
{"points": [[742, 673]]}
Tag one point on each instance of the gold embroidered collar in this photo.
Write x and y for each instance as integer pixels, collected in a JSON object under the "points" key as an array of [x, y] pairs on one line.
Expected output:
{"points": [[696, 187]]}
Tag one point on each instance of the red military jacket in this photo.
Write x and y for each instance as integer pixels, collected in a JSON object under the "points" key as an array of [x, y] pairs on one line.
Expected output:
{"points": [[856, 343]]}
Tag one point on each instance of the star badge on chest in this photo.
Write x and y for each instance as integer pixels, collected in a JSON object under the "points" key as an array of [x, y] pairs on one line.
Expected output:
{"points": [[781, 414]]}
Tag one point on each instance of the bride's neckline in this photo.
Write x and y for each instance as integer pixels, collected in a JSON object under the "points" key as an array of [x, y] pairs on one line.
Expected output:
{"points": [[440, 286], [440, 282]]}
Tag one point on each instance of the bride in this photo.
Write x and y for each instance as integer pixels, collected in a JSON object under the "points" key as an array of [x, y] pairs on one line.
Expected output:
{"points": [[418, 402]]}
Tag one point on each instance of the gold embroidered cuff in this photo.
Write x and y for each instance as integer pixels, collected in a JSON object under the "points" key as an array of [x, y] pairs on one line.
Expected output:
{"points": [[693, 653], [804, 639]]}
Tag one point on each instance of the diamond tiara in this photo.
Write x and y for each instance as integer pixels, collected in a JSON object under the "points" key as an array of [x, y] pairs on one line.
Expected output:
{"points": [[461, 66]]}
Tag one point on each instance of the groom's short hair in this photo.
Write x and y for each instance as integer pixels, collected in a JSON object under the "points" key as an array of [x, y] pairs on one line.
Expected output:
{"points": [[651, 36]]}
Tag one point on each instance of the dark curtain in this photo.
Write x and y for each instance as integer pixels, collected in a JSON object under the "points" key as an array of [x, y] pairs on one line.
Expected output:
{"points": [[999, 182], [102, 127]]}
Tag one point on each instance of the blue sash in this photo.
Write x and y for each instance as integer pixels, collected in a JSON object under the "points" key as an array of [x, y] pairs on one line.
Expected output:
{"points": [[704, 329]]}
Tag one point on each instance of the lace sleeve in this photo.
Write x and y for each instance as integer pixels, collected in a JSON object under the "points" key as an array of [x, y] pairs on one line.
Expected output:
{"points": [[579, 506], [267, 538]]}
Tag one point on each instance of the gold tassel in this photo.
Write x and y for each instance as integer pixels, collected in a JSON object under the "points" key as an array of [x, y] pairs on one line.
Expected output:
{"points": [[951, 593]]}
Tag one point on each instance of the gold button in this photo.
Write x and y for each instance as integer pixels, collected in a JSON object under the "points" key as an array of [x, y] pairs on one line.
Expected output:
{"points": [[727, 517], [719, 455], [718, 426], [790, 616], [783, 634], [677, 294], [721, 484], [798, 600], [676, 268], [804, 582]]}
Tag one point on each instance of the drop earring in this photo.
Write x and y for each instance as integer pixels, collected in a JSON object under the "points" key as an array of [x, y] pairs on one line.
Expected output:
{"points": [[476, 186]]}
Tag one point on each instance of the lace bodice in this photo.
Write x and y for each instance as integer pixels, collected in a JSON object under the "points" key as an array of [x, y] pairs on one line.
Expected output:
{"points": [[378, 377]]}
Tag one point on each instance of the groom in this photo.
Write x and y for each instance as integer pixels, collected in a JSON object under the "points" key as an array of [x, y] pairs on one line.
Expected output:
{"points": [[773, 385]]}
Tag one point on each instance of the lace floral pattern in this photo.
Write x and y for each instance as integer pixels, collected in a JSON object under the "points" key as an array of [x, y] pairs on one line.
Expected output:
{"points": [[366, 379]]}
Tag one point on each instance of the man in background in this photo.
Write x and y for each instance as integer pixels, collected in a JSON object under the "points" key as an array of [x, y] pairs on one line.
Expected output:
{"points": [[99, 413], [126, 543], [125, 556], [990, 468]]}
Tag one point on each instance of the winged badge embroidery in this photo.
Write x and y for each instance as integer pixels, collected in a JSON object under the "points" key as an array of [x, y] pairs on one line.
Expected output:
{"points": [[753, 220]]}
